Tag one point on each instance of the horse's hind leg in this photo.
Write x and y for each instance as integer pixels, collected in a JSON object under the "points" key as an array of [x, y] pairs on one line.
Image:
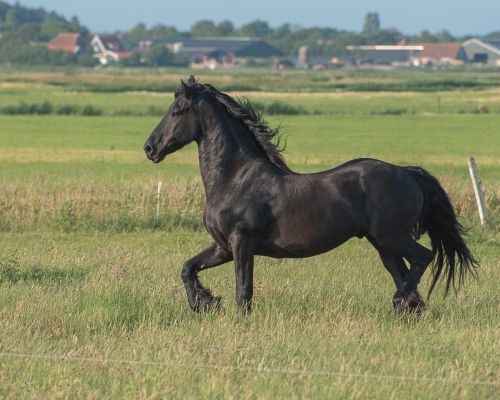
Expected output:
{"points": [[199, 297], [419, 257], [396, 266]]}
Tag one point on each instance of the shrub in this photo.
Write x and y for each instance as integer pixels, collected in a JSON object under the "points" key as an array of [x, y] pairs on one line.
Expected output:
{"points": [[10, 270], [90, 110], [390, 111], [46, 107], [278, 108], [28, 108], [67, 109]]}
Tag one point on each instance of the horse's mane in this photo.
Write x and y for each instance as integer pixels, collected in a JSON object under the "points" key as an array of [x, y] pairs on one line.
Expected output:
{"points": [[268, 138]]}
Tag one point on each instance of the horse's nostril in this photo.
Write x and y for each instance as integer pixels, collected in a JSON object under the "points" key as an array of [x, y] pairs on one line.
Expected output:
{"points": [[148, 149]]}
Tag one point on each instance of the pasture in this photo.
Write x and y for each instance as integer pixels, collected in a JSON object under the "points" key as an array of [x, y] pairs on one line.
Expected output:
{"points": [[91, 301]]}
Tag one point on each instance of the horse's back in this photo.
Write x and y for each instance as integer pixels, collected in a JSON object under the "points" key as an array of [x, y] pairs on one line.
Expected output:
{"points": [[350, 200]]}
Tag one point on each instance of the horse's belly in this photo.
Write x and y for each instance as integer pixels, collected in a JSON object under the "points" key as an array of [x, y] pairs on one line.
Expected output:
{"points": [[310, 238]]}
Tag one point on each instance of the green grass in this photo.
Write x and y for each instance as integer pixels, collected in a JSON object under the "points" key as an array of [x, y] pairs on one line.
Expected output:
{"points": [[87, 272], [331, 313], [115, 80]]}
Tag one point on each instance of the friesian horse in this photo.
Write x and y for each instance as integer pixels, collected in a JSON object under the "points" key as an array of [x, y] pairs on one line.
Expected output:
{"points": [[255, 205]]}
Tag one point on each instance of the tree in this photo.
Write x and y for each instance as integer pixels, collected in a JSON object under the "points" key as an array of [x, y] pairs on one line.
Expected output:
{"points": [[52, 25], [257, 28], [427, 37], [25, 33], [386, 36], [445, 36], [134, 60], [372, 24], [158, 56], [163, 32], [225, 28], [204, 28], [494, 35], [135, 35], [4, 7]]}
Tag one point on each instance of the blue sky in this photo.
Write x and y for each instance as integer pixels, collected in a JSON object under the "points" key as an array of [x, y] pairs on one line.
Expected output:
{"points": [[458, 16]]}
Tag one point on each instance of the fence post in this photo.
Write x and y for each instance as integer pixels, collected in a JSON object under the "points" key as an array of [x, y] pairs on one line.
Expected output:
{"points": [[478, 191], [158, 196]]}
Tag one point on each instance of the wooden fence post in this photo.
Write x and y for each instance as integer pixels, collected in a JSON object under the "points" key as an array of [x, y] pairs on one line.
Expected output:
{"points": [[478, 191], [158, 194]]}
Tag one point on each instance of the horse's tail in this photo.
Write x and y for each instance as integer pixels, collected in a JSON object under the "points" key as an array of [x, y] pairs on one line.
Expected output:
{"points": [[438, 219]]}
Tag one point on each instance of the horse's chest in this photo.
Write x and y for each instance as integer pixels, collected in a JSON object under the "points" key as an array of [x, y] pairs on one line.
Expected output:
{"points": [[221, 220]]}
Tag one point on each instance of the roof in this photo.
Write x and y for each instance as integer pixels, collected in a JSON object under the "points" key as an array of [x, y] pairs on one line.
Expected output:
{"points": [[112, 43], [389, 47], [234, 46], [66, 42], [490, 44], [493, 43], [109, 46], [440, 50]]}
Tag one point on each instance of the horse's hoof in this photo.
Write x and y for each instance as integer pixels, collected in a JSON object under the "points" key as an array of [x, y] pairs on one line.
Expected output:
{"points": [[400, 305], [411, 304], [415, 302], [207, 304]]}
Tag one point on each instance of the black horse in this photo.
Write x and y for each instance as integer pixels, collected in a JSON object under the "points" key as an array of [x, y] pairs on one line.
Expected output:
{"points": [[255, 205]]}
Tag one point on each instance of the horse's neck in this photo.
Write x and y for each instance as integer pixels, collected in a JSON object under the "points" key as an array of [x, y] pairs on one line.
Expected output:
{"points": [[225, 152]]}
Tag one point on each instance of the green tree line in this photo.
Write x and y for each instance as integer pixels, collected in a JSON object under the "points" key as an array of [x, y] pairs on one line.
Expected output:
{"points": [[23, 32]]}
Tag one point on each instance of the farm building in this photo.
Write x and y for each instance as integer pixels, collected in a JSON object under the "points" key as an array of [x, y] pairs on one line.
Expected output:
{"points": [[67, 41], [108, 49], [441, 54], [215, 52], [410, 55], [482, 51], [385, 54]]}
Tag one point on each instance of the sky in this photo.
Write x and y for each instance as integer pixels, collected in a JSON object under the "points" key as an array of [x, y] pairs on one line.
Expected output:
{"points": [[459, 17]]}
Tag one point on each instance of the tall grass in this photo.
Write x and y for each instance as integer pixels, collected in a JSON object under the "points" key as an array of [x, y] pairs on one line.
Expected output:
{"points": [[69, 207], [75, 207]]}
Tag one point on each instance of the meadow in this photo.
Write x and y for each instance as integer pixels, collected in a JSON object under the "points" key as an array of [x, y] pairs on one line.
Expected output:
{"points": [[91, 301]]}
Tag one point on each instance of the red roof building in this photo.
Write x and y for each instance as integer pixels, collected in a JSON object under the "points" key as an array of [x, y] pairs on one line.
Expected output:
{"points": [[442, 53], [70, 42]]}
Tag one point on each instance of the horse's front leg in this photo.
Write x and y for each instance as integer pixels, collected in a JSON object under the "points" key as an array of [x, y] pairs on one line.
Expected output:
{"points": [[243, 253], [199, 297]]}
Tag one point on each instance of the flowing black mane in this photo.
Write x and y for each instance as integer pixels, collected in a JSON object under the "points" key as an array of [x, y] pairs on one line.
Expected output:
{"points": [[268, 138]]}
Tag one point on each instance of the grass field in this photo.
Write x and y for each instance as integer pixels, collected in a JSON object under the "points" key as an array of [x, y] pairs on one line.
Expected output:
{"points": [[91, 302]]}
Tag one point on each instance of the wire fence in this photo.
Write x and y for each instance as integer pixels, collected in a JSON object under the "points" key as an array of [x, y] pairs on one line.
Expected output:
{"points": [[260, 370]]}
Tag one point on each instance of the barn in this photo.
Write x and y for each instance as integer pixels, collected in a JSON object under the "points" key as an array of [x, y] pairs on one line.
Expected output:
{"points": [[441, 54], [385, 54], [482, 51], [213, 52]]}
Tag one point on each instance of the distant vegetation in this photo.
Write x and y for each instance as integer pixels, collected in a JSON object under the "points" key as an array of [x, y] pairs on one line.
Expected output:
{"points": [[24, 30], [46, 108], [251, 80]]}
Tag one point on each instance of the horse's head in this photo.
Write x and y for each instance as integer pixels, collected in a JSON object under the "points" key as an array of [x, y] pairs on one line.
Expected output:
{"points": [[178, 127]]}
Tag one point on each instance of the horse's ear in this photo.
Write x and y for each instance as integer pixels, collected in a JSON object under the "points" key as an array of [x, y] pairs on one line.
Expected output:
{"points": [[186, 89], [191, 79]]}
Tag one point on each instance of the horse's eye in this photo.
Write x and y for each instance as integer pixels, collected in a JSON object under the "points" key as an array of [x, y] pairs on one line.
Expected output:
{"points": [[177, 113]]}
